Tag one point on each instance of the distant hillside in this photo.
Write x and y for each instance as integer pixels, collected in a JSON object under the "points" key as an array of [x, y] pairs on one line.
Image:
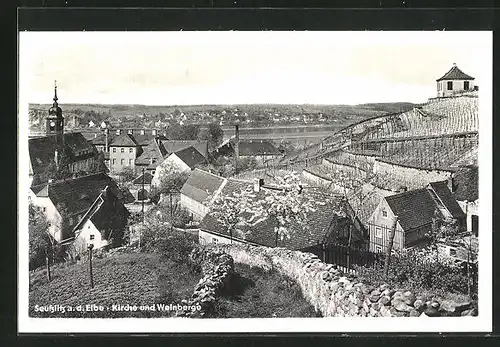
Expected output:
{"points": [[248, 115], [392, 107]]}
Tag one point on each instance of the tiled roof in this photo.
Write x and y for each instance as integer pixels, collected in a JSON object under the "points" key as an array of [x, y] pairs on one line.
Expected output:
{"points": [[77, 195], [190, 156], [444, 194], [111, 215], [256, 147], [201, 184], [100, 140], [323, 222], [455, 74], [153, 151], [147, 179], [144, 140], [172, 146], [123, 140], [41, 150], [414, 208], [107, 213]]}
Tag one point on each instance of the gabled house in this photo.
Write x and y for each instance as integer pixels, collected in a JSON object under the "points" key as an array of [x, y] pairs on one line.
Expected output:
{"points": [[152, 155], [103, 224], [65, 203], [326, 224], [415, 210], [198, 191], [184, 160]]}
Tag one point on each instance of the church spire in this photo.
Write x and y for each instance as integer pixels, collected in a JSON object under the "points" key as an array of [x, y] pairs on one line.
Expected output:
{"points": [[55, 92]]}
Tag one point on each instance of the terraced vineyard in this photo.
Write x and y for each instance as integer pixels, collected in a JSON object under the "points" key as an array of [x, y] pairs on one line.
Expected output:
{"points": [[121, 279]]}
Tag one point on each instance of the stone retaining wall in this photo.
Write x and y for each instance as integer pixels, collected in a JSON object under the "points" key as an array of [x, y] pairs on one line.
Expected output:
{"points": [[217, 268], [336, 294]]}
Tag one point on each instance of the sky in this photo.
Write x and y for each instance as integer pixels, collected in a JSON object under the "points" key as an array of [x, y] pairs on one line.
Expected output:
{"points": [[179, 68]]}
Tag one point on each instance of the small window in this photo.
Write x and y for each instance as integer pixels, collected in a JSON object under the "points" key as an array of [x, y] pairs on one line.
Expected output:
{"points": [[130, 150], [91, 237], [122, 161], [214, 240], [123, 150], [378, 249], [70, 220], [384, 213], [450, 85], [453, 252], [44, 209], [114, 161], [378, 233], [130, 162], [466, 85], [114, 149]]}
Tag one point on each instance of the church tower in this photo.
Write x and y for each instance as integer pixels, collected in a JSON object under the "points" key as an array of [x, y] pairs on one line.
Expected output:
{"points": [[55, 121]]}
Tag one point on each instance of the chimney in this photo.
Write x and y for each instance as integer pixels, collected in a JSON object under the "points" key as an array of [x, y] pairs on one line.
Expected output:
{"points": [[142, 131], [117, 131], [106, 131], [130, 131], [403, 189], [258, 183], [153, 132], [56, 158], [50, 180], [95, 135], [236, 146]]}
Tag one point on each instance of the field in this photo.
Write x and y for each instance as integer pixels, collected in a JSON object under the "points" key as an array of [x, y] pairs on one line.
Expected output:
{"points": [[259, 294], [119, 279]]}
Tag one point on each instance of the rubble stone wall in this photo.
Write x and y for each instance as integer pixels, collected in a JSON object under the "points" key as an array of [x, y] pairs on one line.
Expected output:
{"points": [[336, 294]]}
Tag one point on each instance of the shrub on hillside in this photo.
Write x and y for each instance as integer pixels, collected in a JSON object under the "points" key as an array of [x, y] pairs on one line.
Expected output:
{"points": [[410, 270], [180, 218]]}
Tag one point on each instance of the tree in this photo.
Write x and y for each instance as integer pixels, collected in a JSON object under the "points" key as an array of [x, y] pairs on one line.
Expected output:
{"points": [[284, 206], [443, 229], [99, 165], [41, 244], [61, 169], [127, 174], [213, 134], [183, 132], [170, 182]]}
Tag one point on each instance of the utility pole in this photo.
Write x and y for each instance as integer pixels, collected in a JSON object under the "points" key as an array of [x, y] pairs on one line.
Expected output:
{"points": [[142, 196], [47, 263], [91, 246], [389, 247]]}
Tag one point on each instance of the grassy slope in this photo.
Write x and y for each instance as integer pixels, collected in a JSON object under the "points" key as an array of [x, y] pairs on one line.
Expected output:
{"points": [[130, 278], [259, 294]]}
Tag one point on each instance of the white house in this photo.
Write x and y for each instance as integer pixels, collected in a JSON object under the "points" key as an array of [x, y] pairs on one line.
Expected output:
{"points": [[183, 160], [104, 221], [69, 203], [454, 82], [198, 191]]}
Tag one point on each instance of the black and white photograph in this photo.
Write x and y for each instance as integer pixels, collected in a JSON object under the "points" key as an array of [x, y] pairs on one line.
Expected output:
{"points": [[240, 181]]}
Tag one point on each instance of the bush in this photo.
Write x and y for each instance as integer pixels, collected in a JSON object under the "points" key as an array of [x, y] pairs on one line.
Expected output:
{"points": [[181, 218], [412, 272]]}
